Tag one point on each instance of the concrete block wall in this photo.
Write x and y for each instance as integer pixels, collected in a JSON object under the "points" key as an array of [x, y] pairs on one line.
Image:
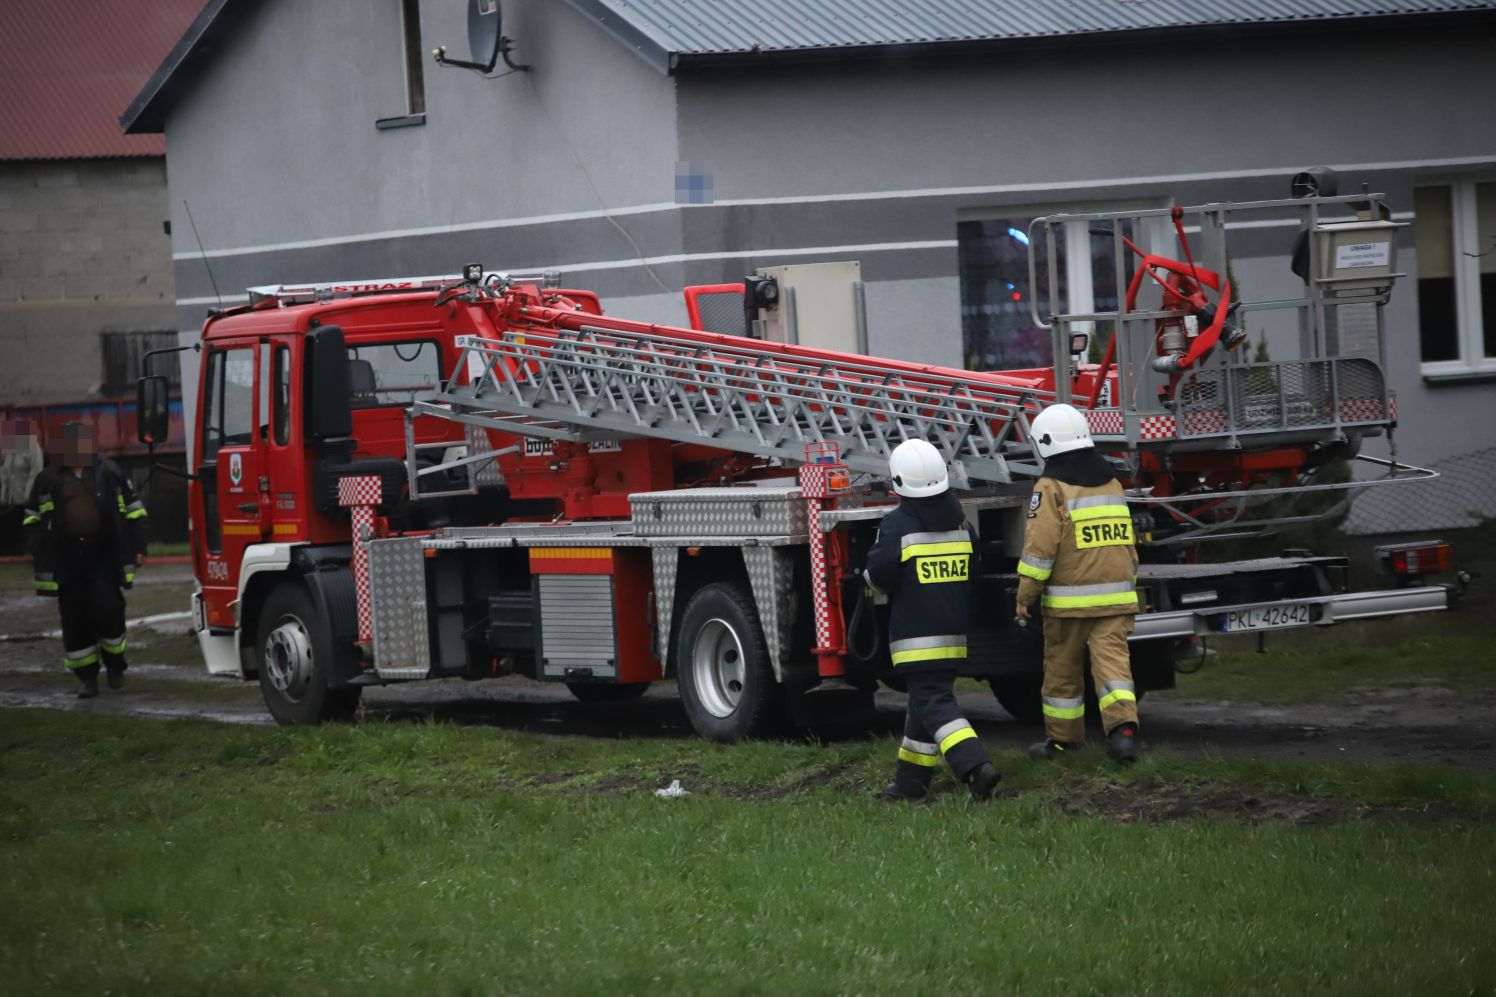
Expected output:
{"points": [[82, 251]]}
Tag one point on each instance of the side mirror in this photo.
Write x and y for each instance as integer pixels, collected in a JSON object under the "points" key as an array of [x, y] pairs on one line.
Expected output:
{"points": [[152, 419], [328, 408]]}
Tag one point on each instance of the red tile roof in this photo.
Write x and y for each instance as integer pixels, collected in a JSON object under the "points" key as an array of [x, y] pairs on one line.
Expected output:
{"points": [[67, 70]]}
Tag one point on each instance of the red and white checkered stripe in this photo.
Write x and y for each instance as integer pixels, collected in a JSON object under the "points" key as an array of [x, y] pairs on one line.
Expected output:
{"points": [[1105, 422], [818, 592], [360, 496], [1361, 410], [1157, 427], [813, 480]]}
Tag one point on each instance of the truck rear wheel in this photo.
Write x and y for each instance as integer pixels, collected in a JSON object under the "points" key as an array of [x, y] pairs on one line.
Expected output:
{"points": [[722, 666], [1019, 695], [295, 650]]}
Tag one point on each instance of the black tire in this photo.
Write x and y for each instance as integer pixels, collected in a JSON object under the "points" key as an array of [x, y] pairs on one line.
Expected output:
{"points": [[293, 670], [600, 692], [1019, 695], [722, 666]]}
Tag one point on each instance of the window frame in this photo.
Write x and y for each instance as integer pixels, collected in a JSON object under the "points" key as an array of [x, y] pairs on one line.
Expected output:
{"points": [[412, 71], [1464, 231]]}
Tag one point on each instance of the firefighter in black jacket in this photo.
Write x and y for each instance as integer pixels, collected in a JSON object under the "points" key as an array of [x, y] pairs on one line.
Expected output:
{"points": [[923, 559], [85, 528]]}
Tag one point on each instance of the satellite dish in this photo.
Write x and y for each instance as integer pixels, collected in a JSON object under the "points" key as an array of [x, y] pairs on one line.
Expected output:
{"points": [[484, 21], [486, 40]]}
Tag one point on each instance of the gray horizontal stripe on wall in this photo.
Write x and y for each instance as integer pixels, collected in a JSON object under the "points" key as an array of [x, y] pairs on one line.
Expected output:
{"points": [[712, 229]]}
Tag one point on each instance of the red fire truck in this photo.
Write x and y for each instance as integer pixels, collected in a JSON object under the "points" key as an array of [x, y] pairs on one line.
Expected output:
{"points": [[486, 474]]}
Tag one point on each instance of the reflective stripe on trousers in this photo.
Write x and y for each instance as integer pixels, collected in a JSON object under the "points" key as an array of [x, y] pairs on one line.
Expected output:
{"points": [[81, 658], [912, 649], [920, 753], [1116, 692], [1065, 709], [953, 733]]}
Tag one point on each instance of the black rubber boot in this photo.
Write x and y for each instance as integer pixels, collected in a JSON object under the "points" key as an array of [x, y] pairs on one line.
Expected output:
{"points": [[1049, 748], [1122, 744], [115, 665], [894, 793], [983, 781], [90, 685]]}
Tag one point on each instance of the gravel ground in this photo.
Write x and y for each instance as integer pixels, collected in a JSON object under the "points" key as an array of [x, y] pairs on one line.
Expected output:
{"points": [[166, 679]]}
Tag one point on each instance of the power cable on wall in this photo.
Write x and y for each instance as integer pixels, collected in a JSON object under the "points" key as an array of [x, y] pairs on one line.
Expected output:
{"points": [[597, 195]]}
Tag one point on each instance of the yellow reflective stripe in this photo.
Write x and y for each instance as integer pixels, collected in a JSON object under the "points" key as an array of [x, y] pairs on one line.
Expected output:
{"points": [[45, 508], [121, 500], [915, 758], [1117, 697], [129, 578], [1039, 574], [113, 648], [928, 654], [31, 519], [927, 550], [1064, 712], [1115, 511], [137, 514], [1082, 601], [42, 586], [90, 658], [951, 740]]}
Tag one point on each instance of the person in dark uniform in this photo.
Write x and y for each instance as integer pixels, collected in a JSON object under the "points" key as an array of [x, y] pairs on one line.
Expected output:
{"points": [[85, 528], [923, 559]]}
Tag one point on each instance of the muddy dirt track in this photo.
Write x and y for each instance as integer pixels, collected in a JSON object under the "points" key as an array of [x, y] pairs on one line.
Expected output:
{"points": [[166, 681]]}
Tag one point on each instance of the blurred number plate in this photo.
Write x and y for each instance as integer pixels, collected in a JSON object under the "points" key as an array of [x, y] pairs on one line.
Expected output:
{"points": [[1292, 614]]}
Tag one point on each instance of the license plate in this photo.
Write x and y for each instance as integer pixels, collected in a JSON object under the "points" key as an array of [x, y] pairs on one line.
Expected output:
{"points": [[1291, 614]]}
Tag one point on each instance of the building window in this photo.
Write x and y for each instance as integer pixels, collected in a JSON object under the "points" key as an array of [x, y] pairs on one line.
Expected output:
{"points": [[998, 331], [415, 79], [1454, 232], [414, 57]]}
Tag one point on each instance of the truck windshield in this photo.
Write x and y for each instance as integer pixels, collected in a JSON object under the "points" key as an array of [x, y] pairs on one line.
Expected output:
{"points": [[384, 374]]}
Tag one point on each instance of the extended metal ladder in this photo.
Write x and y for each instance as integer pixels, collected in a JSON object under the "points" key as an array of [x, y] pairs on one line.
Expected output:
{"points": [[770, 401]]}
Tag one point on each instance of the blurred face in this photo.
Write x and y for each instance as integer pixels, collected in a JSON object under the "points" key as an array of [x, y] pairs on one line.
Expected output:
{"points": [[15, 437], [76, 448]]}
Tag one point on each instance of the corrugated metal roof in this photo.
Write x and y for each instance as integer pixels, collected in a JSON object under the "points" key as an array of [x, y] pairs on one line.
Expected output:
{"points": [[682, 29], [68, 69]]}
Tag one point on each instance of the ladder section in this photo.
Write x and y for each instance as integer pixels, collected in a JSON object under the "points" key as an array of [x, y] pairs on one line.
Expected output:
{"points": [[764, 400]]}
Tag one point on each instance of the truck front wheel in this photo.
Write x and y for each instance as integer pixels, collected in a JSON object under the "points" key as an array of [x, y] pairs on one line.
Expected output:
{"points": [[295, 649], [722, 665]]}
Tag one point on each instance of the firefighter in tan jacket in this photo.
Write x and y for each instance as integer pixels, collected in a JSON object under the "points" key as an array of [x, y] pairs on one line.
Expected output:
{"points": [[1079, 561]]}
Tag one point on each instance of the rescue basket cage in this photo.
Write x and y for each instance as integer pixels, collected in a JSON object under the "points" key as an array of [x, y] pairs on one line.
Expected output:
{"points": [[1327, 399]]}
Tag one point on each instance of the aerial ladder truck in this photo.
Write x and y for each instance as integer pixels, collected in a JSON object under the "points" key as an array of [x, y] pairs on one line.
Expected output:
{"points": [[486, 474]]}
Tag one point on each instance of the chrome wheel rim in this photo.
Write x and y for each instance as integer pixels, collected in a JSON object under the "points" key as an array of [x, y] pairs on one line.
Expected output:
{"points": [[718, 669], [288, 658]]}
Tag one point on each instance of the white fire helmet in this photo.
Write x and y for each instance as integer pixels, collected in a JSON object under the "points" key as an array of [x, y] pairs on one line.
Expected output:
{"points": [[917, 470], [1059, 429]]}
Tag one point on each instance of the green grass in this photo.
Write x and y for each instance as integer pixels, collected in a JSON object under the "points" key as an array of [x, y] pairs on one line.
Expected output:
{"points": [[1459, 665], [394, 858], [158, 549]]}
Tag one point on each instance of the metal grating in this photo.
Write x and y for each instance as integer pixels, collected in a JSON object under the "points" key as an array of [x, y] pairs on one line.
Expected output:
{"points": [[1276, 397], [723, 312]]}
